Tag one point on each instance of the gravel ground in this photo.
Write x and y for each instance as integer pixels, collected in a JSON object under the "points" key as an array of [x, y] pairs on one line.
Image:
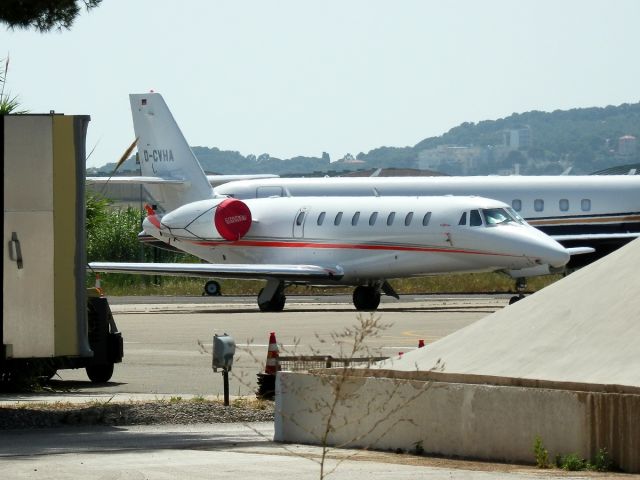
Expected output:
{"points": [[132, 413]]}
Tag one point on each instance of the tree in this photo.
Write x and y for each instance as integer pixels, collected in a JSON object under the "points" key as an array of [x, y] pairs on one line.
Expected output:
{"points": [[43, 15]]}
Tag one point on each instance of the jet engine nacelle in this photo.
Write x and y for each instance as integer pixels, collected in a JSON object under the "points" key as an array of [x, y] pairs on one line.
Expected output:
{"points": [[232, 219], [228, 218]]}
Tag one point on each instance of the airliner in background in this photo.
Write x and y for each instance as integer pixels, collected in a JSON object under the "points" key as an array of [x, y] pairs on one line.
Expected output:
{"points": [[360, 241]]}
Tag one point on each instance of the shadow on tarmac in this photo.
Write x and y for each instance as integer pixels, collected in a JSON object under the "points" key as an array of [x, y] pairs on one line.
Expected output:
{"points": [[107, 439]]}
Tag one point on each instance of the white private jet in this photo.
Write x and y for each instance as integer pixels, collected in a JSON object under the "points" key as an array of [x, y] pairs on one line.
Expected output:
{"points": [[598, 211], [361, 241]]}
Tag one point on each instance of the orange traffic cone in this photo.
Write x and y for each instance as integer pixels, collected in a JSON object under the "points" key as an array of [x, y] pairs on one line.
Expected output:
{"points": [[273, 365], [420, 343]]}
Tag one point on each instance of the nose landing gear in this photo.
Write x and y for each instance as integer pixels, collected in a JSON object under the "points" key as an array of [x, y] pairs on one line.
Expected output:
{"points": [[521, 286]]}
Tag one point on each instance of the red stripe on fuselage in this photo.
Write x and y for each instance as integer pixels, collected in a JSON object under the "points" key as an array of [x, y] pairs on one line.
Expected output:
{"points": [[346, 246]]}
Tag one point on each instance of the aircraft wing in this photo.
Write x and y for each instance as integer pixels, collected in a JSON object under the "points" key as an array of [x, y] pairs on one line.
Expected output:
{"points": [[137, 180], [595, 236], [284, 272]]}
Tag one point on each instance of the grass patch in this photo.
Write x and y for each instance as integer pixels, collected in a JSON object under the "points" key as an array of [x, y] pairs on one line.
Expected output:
{"points": [[574, 463], [602, 462], [144, 285], [541, 454], [571, 462], [251, 402]]}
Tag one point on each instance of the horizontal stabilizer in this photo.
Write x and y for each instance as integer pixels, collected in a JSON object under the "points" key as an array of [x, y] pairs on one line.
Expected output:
{"points": [[207, 270], [137, 180]]}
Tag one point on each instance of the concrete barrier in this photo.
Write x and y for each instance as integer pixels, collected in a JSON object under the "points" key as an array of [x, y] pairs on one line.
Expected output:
{"points": [[486, 422]]}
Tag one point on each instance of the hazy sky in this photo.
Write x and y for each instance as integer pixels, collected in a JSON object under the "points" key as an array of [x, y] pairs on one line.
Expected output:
{"points": [[295, 77]]}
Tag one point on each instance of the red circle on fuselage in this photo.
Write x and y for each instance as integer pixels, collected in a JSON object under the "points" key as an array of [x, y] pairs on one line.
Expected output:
{"points": [[232, 219]]}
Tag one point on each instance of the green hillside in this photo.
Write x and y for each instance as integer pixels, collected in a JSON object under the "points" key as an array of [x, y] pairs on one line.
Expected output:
{"points": [[582, 139]]}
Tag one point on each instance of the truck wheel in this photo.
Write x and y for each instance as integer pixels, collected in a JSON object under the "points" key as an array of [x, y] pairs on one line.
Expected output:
{"points": [[100, 373]]}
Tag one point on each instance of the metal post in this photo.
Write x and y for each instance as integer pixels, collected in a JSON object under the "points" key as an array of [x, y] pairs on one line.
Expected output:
{"points": [[225, 379]]}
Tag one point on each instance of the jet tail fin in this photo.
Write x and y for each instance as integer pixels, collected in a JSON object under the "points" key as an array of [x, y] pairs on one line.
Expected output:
{"points": [[164, 152]]}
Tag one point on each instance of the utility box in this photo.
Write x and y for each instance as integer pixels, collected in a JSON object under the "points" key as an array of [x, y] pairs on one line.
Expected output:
{"points": [[44, 308], [224, 348]]}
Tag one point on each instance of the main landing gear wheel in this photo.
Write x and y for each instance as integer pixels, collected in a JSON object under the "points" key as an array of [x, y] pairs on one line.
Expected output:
{"points": [[276, 304], [211, 288], [366, 298]]}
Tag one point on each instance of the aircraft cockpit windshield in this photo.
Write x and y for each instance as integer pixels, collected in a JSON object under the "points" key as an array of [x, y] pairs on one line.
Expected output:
{"points": [[516, 216], [501, 216]]}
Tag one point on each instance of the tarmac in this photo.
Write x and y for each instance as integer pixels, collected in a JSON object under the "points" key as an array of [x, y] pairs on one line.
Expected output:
{"points": [[229, 451]]}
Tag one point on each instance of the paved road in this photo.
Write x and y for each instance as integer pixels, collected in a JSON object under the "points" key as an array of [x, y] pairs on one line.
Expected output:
{"points": [[228, 451], [168, 342]]}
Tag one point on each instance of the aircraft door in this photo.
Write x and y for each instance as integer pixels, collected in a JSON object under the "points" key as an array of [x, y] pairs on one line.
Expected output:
{"points": [[298, 222]]}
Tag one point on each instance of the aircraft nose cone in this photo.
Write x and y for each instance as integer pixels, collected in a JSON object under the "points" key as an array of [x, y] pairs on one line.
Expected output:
{"points": [[558, 256], [552, 253]]}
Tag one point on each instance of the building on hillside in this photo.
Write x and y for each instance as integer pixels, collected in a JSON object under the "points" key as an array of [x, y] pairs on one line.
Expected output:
{"points": [[627, 145], [517, 138], [452, 159], [349, 159]]}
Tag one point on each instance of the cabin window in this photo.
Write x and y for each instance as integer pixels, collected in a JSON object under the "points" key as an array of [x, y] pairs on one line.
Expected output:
{"points": [[538, 205], [475, 220], [356, 217], [463, 219], [338, 219], [390, 218], [426, 218], [564, 205], [585, 204], [516, 204], [321, 218], [300, 218], [408, 218], [373, 218]]}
